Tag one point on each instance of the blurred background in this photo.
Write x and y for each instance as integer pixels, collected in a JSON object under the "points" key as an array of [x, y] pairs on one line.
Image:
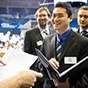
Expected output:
{"points": [[17, 16]]}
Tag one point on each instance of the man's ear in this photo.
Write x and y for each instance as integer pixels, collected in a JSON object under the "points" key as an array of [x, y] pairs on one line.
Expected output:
{"points": [[71, 18], [52, 20]]}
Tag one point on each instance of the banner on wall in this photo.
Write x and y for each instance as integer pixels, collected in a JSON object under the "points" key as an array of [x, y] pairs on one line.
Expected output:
{"points": [[11, 25]]}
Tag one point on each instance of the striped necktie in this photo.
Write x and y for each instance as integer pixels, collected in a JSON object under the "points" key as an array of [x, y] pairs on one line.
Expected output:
{"points": [[58, 45], [44, 33], [85, 33]]}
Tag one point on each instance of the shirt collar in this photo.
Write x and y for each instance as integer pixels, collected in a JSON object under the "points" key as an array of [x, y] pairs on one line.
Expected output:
{"points": [[64, 35], [41, 29], [81, 29]]}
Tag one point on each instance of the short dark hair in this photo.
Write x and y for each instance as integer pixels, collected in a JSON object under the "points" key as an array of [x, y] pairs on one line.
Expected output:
{"points": [[65, 5]]}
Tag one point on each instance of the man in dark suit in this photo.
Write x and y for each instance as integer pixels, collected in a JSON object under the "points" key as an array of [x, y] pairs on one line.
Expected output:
{"points": [[33, 38], [72, 47], [82, 19]]}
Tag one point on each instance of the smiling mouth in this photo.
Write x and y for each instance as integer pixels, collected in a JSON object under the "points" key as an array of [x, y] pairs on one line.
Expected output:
{"points": [[56, 24], [82, 23]]}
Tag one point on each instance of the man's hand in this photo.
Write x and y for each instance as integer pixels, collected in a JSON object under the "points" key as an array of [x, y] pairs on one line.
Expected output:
{"points": [[54, 62], [29, 77]]}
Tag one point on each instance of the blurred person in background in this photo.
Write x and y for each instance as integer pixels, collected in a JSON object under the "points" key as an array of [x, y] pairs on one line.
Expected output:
{"points": [[82, 19], [14, 40], [33, 38], [4, 42]]}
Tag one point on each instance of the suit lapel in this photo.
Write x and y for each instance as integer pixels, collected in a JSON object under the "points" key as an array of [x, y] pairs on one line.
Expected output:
{"points": [[38, 34], [67, 45], [53, 46], [38, 38]]}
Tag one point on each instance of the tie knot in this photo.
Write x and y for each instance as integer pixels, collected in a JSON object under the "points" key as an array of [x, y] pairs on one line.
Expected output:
{"points": [[59, 39], [84, 33], [45, 31]]}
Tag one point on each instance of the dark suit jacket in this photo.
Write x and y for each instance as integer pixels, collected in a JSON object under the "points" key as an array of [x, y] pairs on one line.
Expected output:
{"points": [[33, 39], [83, 83], [75, 46]]}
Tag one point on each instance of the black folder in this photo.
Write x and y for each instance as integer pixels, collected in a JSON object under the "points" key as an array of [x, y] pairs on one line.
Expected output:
{"points": [[53, 72]]}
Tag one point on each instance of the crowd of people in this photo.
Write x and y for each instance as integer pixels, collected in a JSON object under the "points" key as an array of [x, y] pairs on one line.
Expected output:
{"points": [[59, 44], [11, 40]]}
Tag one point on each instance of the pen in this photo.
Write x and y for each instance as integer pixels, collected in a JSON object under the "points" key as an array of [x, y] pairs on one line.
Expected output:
{"points": [[2, 62]]}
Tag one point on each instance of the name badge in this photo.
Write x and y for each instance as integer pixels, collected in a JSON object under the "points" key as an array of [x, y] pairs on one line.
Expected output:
{"points": [[70, 60], [39, 43]]}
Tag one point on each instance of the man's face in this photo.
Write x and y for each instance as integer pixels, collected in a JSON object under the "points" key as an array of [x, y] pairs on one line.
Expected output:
{"points": [[60, 19], [42, 18], [83, 18]]}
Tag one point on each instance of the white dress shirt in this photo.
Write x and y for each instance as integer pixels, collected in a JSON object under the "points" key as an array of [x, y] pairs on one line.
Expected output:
{"points": [[44, 32]]}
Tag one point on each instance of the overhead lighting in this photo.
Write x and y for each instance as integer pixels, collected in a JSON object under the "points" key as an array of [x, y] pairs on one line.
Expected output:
{"points": [[49, 3]]}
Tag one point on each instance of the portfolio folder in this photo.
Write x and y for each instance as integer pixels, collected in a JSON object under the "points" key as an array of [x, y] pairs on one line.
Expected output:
{"points": [[53, 72]]}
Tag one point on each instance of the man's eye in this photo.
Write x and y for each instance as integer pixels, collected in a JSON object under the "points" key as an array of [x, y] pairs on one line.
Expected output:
{"points": [[60, 15], [57, 15], [86, 16], [43, 15], [80, 16]]}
